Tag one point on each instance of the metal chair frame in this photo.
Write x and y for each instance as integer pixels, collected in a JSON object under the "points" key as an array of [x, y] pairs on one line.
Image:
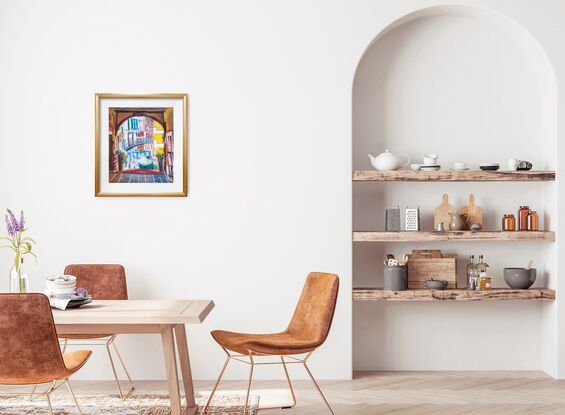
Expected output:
{"points": [[107, 342], [53, 386], [252, 363]]}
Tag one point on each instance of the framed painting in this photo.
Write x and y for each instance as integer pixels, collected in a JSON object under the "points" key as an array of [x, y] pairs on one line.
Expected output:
{"points": [[141, 145]]}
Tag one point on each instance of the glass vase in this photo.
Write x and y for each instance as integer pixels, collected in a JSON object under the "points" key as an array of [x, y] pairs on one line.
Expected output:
{"points": [[19, 279]]}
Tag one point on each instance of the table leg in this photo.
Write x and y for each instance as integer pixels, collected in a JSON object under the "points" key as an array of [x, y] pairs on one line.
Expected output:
{"points": [[167, 338], [182, 346]]}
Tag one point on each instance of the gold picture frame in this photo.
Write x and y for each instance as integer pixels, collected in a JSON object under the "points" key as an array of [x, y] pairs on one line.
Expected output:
{"points": [[113, 179]]}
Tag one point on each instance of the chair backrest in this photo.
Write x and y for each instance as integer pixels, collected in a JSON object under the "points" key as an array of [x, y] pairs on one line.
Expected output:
{"points": [[314, 312], [29, 349], [102, 281]]}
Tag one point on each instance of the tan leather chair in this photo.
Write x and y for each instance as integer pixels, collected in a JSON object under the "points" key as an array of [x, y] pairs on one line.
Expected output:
{"points": [[103, 282], [308, 330], [29, 349]]}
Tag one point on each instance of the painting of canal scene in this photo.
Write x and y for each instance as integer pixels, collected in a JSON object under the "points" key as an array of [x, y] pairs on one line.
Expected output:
{"points": [[141, 143]]}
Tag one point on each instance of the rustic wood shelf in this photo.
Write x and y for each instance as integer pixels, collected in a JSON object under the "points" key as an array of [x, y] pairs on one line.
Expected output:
{"points": [[453, 176], [432, 236], [496, 294]]}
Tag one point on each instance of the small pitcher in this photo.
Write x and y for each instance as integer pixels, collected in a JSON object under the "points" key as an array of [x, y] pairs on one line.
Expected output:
{"points": [[456, 222]]}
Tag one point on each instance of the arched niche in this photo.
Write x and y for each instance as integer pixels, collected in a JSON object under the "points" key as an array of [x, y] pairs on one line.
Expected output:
{"points": [[471, 85]]}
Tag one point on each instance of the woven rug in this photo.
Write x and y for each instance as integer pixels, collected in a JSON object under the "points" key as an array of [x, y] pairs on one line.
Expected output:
{"points": [[223, 404]]}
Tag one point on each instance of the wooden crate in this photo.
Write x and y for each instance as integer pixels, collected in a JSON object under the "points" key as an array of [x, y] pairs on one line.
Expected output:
{"points": [[425, 264]]}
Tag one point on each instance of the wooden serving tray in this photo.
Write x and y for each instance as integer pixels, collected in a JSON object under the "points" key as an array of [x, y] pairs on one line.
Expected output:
{"points": [[424, 264]]}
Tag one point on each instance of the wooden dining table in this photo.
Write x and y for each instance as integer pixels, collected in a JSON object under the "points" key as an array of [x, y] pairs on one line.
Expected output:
{"points": [[164, 317]]}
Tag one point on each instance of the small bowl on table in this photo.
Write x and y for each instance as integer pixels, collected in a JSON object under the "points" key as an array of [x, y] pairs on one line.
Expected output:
{"points": [[436, 284]]}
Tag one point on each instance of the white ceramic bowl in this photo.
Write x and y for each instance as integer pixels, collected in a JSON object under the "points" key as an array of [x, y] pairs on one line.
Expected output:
{"points": [[415, 166], [61, 290], [61, 280]]}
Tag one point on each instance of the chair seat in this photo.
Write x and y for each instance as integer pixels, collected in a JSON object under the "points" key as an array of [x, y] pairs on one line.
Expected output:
{"points": [[75, 360], [265, 344]]}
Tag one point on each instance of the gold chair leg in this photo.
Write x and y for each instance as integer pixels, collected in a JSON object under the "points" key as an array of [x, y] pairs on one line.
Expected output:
{"points": [[49, 404], [216, 385], [289, 385], [114, 368], [251, 366], [48, 397], [317, 387], [131, 386], [32, 393], [73, 395]]}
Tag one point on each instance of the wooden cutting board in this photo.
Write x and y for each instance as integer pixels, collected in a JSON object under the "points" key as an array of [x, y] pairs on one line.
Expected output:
{"points": [[442, 213], [472, 212], [426, 264]]}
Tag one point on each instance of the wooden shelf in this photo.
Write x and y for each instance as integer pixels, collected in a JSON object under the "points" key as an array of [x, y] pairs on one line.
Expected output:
{"points": [[432, 236], [497, 294], [453, 176]]}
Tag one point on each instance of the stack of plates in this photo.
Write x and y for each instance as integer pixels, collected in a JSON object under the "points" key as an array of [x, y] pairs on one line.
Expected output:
{"points": [[77, 301], [61, 286]]}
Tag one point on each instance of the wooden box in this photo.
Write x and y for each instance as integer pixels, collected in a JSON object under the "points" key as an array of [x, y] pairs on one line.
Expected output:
{"points": [[426, 264]]}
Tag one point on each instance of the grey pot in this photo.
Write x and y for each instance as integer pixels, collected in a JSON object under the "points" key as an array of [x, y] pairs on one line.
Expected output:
{"points": [[520, 278], [436, 284], [395, 279]]}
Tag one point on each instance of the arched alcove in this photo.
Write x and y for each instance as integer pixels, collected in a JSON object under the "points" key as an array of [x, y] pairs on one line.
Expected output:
{"points": [[474, 86]]}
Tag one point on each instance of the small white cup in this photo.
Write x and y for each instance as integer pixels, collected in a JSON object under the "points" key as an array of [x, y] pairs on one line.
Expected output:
{"points": [[512, 164], [415, 166], [430, 159], [459, 166]]}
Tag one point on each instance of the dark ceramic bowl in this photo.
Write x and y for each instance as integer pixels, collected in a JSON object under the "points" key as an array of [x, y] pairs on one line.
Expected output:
{"points": [[520, 278], [436, 284]]}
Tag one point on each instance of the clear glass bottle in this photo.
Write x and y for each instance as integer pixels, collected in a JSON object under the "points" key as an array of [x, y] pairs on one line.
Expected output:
{"points": [[481, 265], [481, 271], [19, 279], [471, 273]]}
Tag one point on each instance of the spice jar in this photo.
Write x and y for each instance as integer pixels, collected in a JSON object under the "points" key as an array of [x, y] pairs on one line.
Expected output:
{"points": [[509, 223], [483, 283], [523, 213], [533, 221]]}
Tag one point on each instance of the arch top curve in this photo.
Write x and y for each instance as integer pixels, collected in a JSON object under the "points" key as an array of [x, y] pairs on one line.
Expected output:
{"points": [[521, 36], [517, 37]]}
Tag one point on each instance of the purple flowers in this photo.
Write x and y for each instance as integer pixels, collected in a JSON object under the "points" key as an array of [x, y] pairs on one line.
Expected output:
{"points": [[12, 224], [81, 292]]}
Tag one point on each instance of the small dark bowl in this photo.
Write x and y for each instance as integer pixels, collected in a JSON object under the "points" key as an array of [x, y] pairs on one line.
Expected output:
{"points": [[520, 278], [436, 284]]}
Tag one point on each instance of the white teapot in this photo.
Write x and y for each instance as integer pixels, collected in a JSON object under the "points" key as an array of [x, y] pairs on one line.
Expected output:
{"points": [[388, 161]]}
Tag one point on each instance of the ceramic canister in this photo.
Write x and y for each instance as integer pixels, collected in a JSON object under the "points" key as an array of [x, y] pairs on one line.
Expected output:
{"points": [[395, 278]]}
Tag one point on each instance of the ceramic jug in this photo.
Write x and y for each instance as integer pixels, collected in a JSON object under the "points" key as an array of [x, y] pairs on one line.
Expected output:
{"points": [[456, 222]]}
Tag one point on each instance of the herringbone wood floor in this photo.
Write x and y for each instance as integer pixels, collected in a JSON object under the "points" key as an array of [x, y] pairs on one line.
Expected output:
{"points": [[399, 393]]}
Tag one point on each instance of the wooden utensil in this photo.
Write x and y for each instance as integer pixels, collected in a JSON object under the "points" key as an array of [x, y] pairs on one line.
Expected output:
{"points": [[472, 212], [530, 264], [442, 213]]}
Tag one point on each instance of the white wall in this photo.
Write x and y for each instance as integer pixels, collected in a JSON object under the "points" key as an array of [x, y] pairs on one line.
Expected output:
{"points": [[270, 88]]}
